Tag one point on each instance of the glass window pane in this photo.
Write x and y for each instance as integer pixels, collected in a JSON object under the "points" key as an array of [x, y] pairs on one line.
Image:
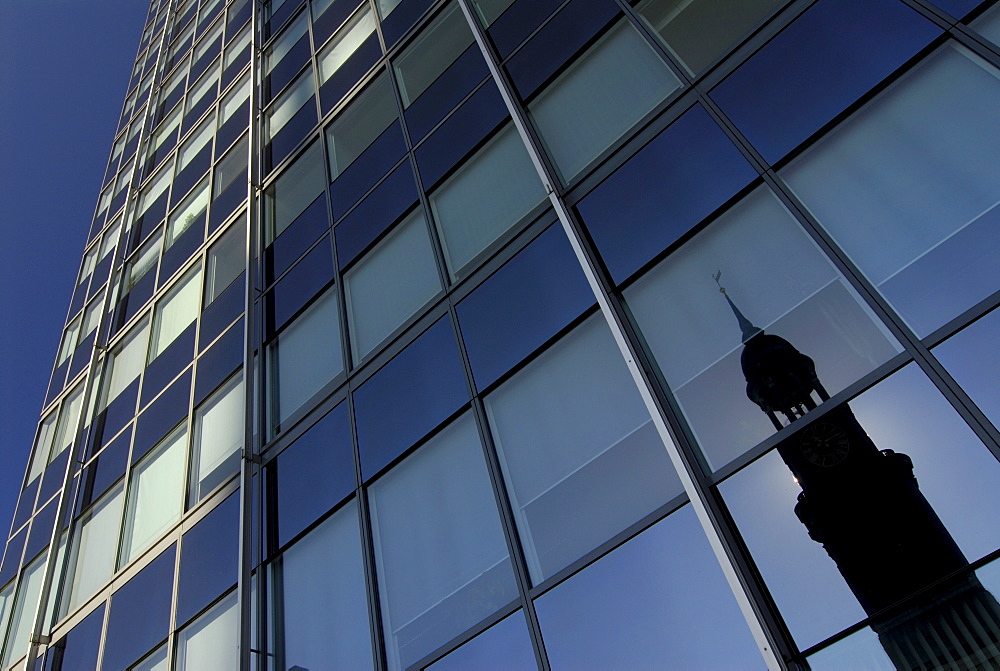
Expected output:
{"points": [[211, 641], [700, 32], [226, 260], [236, 47], [573, 434], [281, 46], [194, 144], [234, 100], [144, 261], [360, 123], [68, 341], [155, 662], [43, 445], [972, 357], [780, 282], [184, 216], [218, 439], [155, 188], [505, 645], [175, 312], [488, 195], [92, 316], [156, 495], [294, 191], [127, 362], [231, 166], [69, 419], [912, 198], [664, 587], [603, 94], [306, 356], [206, 86], [390, 284], [350, 37], [95, 547], [431, 53], [23, 618], [439, 549], [291, 101], [321, 583], [836, 514]]}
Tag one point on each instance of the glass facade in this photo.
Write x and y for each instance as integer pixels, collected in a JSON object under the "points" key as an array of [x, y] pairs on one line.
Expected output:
{"points": [[479, 334]]}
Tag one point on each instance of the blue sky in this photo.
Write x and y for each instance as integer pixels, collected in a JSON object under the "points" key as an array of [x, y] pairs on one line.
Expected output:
{"points": [[64, 66]]}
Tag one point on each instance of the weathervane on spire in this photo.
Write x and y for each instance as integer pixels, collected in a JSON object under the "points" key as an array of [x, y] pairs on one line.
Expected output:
{"points": [[746, 326]]}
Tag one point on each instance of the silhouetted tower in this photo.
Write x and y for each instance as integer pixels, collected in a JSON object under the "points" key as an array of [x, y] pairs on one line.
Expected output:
{"points": [[864, 506]]}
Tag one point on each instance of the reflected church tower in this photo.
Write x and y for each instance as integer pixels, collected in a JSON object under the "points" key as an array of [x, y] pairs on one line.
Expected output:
{"points": [[863, 504]]}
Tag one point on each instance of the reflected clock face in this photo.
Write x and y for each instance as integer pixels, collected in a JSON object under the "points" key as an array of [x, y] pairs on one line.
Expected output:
{"points": [[824, 444]]}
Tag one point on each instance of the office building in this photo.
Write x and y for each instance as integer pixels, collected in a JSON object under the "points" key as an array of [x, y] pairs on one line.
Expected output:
{"points": [[544, 334]]}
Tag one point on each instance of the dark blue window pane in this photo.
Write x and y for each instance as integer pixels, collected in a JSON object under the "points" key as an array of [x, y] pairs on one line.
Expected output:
{"points": [[517, 22], [167, 365], [556, 43], [26, 503], [408, 397], [375, 214], [140, 613], [447, 90], [222, 311], [81, 355], [401, 18], [286, 70], [314, 474], [819, 65], [973, 358], [232, 129], [138, 296], [118, 413], [52, 479], [192, 172], [162, 415], [290, 135], [350, 72], [663, 191], [332, 18], [505, 645], [77, 650], [522, 305], [182, 249], [295, 239], [209, 559], [457, 136], [105, 470], [12, 555], [364, 171], [301, 283], [216, 364], [666, 590], [226, 202], [957, 8], [41, 529]]}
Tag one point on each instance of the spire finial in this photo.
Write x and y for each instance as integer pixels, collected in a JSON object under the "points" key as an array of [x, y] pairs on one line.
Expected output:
{"points": [[746, 326]]}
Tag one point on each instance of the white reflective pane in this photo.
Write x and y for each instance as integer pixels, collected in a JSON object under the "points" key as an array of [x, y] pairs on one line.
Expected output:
{"points": [[390, 284], [127, 362], [24, 612], [347, 42], [599, 98], [156, 495], [211, 641], [176, 311], [94, 549], [485, 197], [218, 438]]}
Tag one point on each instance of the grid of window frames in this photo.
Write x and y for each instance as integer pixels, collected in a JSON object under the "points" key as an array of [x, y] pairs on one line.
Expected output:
{"points": [[492, 236]]}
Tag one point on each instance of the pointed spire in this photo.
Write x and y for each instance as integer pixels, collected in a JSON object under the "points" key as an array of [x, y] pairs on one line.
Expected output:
{"points": [[746, 326]]}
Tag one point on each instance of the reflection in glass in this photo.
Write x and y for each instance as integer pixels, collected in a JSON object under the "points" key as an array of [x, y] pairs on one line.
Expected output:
{"points": [[701, 31], [665, 589], [305, 356], [505, 645], [211, 641], [155, 662], [156, 495], [176, 311], [184, 216], [218, 439], [291, 193], [23, 618], [488, 195], [598, 98], [861, 501], [320, 585], [431, 53], [361, 122], [972, 357], [573, 434], [390, 284], [291, 101], [913, 198], [780, 277], [439, 549], [94, 550], [347, 41]]}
